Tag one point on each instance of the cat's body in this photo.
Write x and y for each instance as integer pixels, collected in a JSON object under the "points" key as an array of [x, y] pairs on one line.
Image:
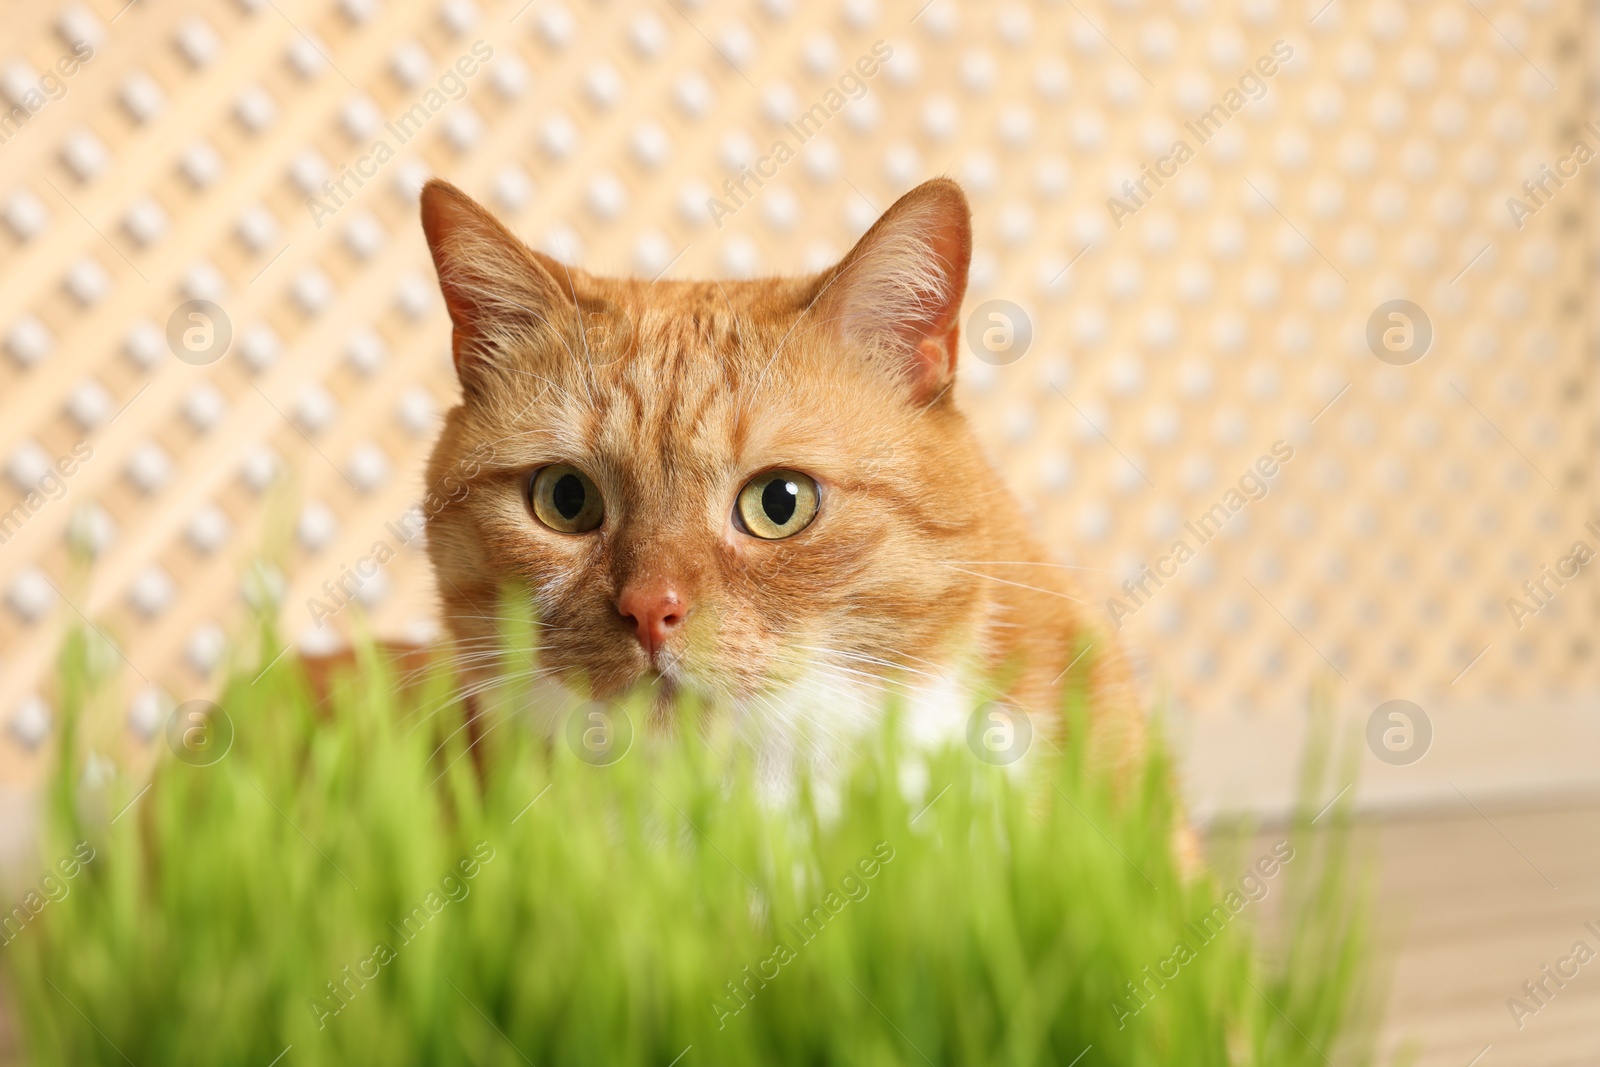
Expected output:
{"points": [[658, 411]]}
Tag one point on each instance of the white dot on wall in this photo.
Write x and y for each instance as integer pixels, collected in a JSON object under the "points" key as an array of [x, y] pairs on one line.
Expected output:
{"points": [[149, 467], [307, 54], [314, 408], [26, 465], [864, 115], [29, 340], [414, 294], [902, 164], [317, 526], [780, 103], [652, 253], [203, 281], [693, 94], [366, 351], [85, 154], [77, 25], [821, 158], [740, 257], [820, 53], [208, 529], [979, 172], [30, 594], [147, 712], [205, 648], [145, 344], [151, 592], [88, 282], [417, 410], [652, 145], [260, 468], [255, 109], [257, 227], [558, 137], [368, 466], [204, 406], [25, 214], [648, 35], [89, 404], [978, 71], [365, 236], [464, 128], [201, 164], [780, 207], [146, 221], [30, 723], [360, 117], [259, 347], [607, 195], [512, 188], [142, 96]]}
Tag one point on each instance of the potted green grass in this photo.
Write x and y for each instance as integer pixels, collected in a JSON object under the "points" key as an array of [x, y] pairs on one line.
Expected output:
{"points": [[346, 884]]}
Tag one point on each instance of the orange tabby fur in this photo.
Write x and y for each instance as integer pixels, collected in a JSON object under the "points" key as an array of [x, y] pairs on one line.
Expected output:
{"points": [[918, 568]]}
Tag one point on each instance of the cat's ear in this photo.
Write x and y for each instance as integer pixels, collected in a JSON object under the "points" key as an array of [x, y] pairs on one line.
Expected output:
{"points": [[502, 295], [899, 290]]}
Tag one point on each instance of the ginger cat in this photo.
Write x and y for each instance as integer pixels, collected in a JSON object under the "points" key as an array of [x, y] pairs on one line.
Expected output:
{"points": [[761, 491]]}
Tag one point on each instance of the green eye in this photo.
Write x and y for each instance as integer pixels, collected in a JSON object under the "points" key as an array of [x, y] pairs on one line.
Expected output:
{"points": [[565, 500], [778, 504]]}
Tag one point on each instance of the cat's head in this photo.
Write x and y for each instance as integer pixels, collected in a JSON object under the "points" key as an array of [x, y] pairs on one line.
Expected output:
{"points": [[724, 486]]}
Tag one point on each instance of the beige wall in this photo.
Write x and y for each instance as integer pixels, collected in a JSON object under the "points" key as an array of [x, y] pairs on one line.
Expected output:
{"points": [[1171, 348]]}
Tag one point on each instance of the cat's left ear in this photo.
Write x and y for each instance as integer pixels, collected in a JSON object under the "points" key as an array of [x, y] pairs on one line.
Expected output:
{"points": [[503, 297], [898, 293]]}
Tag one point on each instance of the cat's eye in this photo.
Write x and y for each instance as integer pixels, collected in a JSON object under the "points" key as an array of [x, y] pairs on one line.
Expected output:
{"points": [[565, 500], [777, 504]]}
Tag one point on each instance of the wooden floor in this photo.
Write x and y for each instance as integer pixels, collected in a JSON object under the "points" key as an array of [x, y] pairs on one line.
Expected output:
{"points": [[1474, 906], [1480, 903]]}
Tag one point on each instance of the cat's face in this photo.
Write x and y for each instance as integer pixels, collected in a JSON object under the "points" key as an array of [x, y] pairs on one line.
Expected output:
{"points": [[724, 487]]}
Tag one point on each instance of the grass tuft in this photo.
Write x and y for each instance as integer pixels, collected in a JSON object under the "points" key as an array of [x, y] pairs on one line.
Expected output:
{"points": [[348, 885]]}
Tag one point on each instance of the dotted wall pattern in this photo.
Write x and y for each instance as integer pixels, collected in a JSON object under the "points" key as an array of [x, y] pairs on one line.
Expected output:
{"points": [[217, 315]]}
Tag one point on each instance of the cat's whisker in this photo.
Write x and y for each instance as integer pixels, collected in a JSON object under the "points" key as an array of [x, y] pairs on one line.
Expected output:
{"points": [[1018, 563], [1019, 585], [864, 658]]}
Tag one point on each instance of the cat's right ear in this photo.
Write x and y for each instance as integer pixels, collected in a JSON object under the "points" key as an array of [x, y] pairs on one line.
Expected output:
{"points": [[500, 296], [898, 293]]}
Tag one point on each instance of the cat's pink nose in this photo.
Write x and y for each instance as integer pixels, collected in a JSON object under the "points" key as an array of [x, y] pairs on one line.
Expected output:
{"points": [[655, 609]]}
